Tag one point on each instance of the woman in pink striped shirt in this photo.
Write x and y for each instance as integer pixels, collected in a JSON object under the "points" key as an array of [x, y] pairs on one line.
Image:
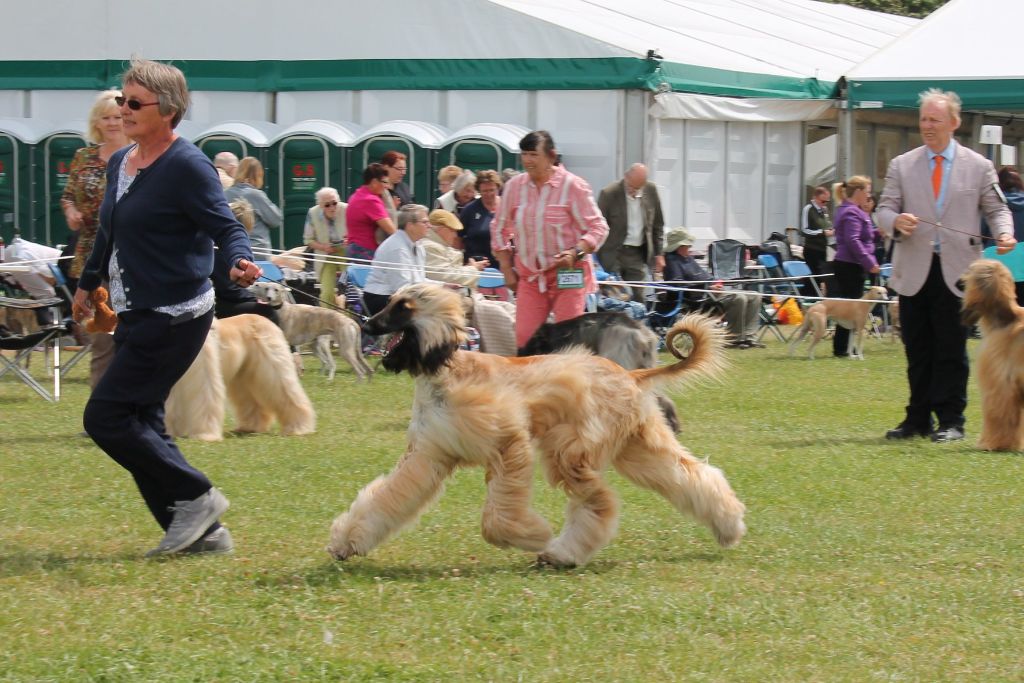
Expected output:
{"points": [[548, 221]]}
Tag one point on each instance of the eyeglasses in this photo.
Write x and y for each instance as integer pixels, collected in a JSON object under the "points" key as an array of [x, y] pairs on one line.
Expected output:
{"points": [[328, 205], [403, 169], [134, 105]]}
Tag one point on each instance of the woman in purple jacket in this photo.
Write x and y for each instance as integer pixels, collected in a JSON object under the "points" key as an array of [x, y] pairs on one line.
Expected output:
{"points": [[855, 247]]}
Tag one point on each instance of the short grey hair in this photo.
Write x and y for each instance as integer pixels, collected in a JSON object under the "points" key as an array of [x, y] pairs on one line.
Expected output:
{"points": [[163, 80], [325, 192], [104, 101], [409, 213], [465, 179], [225, 160], [946, 97]]}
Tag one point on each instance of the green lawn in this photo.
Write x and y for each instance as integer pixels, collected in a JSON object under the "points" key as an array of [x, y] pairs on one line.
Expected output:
{"points": [[866, 560]]}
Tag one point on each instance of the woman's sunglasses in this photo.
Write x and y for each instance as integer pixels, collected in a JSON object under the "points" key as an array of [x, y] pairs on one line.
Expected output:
{"points": [[134, 105]]}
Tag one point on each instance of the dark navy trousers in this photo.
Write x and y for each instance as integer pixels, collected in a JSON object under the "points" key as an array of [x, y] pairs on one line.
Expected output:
{"points": [[125, 414]]}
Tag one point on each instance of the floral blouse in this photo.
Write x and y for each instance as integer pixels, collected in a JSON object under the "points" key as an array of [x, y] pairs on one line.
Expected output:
{"points": [[87, 181]]}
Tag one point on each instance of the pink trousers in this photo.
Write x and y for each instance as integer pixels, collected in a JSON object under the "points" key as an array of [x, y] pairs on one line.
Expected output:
{"points": [[533, 306]]}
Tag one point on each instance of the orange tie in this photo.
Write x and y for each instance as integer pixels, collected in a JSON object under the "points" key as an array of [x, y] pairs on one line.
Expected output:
{"points": [[937, 176]]}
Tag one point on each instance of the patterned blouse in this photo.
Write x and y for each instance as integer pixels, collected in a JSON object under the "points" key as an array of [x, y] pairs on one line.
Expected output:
{"points": [[87, 181]]}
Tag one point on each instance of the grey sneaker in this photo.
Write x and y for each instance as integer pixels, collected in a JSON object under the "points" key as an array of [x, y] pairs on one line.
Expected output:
{"points": [[217, 543], [191, 519]]}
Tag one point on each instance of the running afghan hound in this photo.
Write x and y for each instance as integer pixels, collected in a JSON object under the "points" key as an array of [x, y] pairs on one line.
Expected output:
{"points": [[581, 412], [245, 358], [991, 300]]}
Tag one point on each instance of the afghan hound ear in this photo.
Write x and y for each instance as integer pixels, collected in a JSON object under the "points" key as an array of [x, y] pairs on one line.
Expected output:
{"points": [[989, 296]]}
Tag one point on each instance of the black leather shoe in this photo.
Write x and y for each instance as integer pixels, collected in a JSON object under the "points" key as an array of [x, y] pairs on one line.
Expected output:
{"points": [[947, 434], [905, 431]]}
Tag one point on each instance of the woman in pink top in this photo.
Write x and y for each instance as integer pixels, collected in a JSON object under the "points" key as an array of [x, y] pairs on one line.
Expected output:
{"points": [[366, 217], [548, 221]]}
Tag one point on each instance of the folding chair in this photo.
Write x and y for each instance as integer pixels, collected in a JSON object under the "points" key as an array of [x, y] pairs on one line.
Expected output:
{"points": [[492, 285], [61, 285], [23, 345], [800, 270], [775, 287], [271, 271]]}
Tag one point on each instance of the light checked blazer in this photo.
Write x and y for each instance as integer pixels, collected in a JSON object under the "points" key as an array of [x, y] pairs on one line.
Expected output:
{"points": [[970, 192]]}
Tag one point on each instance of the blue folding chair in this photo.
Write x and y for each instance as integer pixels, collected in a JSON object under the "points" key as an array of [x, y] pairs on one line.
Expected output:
{"points": [[271, 271]]}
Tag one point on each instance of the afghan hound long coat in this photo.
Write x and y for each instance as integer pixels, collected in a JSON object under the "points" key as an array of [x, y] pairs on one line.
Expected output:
{"points": [[582, 413], [246, 360], [990, 300]]}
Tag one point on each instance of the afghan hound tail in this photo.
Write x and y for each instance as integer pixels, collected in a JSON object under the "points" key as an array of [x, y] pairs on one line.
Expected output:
{"points": [[705, 360]]}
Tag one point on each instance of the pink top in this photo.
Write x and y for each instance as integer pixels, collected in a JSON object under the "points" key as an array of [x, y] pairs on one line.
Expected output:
{"points": [[364, 210], [547, 220]]}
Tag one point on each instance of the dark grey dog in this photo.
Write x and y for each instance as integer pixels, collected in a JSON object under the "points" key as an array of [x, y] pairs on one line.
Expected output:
{"points": [[610, 334]]}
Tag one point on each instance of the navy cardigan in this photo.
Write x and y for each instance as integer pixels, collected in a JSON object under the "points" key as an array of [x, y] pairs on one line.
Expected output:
{"points": [[165, 227]]}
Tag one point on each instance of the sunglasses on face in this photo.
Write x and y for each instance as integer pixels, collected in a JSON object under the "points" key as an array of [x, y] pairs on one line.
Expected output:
{"points": [[134, 105], [328, 205]]}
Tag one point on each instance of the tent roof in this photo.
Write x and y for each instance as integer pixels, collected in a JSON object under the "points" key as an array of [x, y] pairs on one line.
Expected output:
{"points": [[987, 74], [762, 48]]}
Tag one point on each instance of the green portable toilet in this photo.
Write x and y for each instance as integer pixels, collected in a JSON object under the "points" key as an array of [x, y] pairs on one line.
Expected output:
{"points": [[245, 139], [18, 140], [483, 146], [307, 156], [418, 140], [53, 168]]}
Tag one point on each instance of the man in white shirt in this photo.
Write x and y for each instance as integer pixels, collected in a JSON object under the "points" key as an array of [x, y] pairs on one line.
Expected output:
{"points": [[399, 260]]}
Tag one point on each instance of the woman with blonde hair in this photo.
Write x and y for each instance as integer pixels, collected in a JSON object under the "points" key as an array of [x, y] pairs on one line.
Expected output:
{"points": [[855, 247], [87, 181], [248, 186]]}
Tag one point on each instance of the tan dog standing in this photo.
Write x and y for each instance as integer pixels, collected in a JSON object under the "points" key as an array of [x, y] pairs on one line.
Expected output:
{"points": [[851, 314]]}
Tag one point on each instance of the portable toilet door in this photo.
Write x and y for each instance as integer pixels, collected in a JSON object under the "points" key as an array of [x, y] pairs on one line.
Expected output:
{"points": [[419, 142], [243, 139], [483, 146], [55, 152], [307, 156], [18, 138]]}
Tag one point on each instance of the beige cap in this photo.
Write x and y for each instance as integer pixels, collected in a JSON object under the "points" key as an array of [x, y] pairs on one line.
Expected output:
{"points": [[678, 237], [445, 218]]}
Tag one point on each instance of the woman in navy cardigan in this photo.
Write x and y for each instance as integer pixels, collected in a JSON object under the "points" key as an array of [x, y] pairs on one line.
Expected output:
{"points": [[162, 213]]}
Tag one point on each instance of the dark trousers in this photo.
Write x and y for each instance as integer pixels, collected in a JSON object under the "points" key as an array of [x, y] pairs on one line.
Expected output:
{"points": [[375, 303], [936, 348], [817, 261], [849, 279], [633, 268], [125, 414]]}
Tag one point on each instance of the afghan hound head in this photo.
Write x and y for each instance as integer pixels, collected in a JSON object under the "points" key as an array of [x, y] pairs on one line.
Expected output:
{"points": [[428, 325], [989, 295]]}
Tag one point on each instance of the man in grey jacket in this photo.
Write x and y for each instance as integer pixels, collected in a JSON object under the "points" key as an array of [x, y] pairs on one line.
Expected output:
{"points": [[635, 223], [932, 205]]}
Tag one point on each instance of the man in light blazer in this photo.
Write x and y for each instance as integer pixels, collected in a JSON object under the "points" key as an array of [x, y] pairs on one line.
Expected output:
{"points": [[932, 206], [633, 211]]}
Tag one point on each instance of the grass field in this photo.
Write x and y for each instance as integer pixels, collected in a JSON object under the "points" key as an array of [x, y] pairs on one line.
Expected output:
{"points": [[866, 560]]}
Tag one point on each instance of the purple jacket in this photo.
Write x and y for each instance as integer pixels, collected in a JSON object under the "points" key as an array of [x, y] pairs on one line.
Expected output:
{"points": [[855, 240]]}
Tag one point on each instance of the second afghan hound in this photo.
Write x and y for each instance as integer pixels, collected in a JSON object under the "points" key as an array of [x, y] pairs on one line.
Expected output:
{"points": [[991, 301], [581, 412], [247, 360]]}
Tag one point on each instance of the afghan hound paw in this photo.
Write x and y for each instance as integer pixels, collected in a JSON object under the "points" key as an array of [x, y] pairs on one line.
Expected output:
{"points": [[557, 557], [729, 534]]}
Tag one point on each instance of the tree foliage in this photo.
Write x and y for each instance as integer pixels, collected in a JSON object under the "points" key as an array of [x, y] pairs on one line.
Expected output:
{"points": [[907, 8]]}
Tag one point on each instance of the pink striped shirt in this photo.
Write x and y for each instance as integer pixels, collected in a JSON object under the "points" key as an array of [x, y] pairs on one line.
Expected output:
{"points": [[547, 220]]}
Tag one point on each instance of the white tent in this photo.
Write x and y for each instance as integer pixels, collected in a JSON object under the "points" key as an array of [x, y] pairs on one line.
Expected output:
{"points": [[712, 95], [969, 46]]}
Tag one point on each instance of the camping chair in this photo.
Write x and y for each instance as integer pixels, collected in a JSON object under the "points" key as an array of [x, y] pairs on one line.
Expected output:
{"points": [[61, 285], [786, 288], [492, 285], [799, 270], [23, 345]]}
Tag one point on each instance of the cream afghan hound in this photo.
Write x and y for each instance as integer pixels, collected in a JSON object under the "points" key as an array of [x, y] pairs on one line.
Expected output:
{"points": [[991, 300], [581, 412], [246, 359]]}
